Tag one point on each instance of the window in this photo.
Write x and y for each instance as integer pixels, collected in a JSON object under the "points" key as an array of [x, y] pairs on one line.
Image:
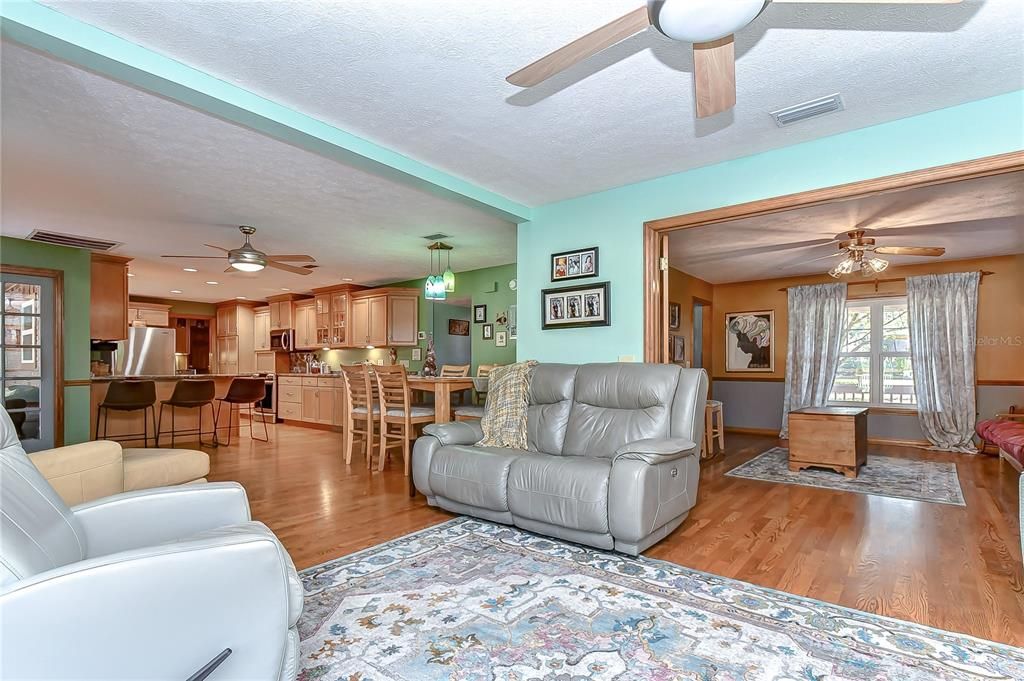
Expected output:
{"points": [[26, 361], [874, 363]]}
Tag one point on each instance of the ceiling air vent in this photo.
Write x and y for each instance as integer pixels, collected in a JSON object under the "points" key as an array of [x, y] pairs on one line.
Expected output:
{"points": [[436, 237], [801, 112], [72, 240]]}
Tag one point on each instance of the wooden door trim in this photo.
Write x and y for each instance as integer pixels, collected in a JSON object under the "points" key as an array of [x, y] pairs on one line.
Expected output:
{"points": [[654, 229], [58, 340]]}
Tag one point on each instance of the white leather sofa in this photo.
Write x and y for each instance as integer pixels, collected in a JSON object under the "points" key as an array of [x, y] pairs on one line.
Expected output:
{"points": [[149, 585]]}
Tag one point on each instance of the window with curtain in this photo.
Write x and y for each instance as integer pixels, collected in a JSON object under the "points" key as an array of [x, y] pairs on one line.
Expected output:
{"points": [[874, 366]]}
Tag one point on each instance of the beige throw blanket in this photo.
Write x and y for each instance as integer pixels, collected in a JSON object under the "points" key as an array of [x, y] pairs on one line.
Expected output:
{"points": [[508, 392]]}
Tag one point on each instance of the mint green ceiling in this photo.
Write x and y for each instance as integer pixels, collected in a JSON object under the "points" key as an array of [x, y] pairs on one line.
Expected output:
{"points": [[47, 30]]}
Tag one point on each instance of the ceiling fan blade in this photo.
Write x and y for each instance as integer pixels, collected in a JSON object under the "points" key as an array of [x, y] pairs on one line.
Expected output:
{"points": [[211, 257], [287, 268], [293, 258], [868, 2], [230, 269], [804, 262], [219, 248], [581, 48], [714, 76], [909, 250]]}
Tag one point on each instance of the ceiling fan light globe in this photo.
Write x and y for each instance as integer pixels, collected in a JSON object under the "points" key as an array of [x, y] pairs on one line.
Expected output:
{"points": [[877, 264], [248, 266], [701, 21]]}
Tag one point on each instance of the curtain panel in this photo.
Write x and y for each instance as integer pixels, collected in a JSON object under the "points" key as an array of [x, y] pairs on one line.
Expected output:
{"points": [[817, 316], [943, 311]]}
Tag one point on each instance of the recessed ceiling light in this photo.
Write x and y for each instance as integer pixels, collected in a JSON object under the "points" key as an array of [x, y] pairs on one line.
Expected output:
{"points": [[130, 274], [174, 290], [213, 283], [190, 269], [286, 289], [240, 297], [346, 278]]}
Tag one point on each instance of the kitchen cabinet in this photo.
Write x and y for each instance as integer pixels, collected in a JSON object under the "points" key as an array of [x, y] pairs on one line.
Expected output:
{"points": [[108, 297], [383, 317], [235, 339], [281, 316], [261, 329], [305, 326], [322, 303], [339, 315], [318, 404], [148, 314], [403, 319], [181, 338]]}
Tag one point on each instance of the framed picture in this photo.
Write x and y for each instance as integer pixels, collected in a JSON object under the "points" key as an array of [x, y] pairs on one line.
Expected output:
{"points": [[673, 316], [458, 327], [417, 354], [500, 339], [488, 331], [750, 341], [576, 306], [479, 314], [574, 264], [679, 349]]}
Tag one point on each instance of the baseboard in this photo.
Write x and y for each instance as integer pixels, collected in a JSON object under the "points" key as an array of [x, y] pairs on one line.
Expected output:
{"points": [[772, 432], [312, 426]]}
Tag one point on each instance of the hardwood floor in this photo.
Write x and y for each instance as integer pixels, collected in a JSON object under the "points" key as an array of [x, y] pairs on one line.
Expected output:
{"points": [[944, 566]]}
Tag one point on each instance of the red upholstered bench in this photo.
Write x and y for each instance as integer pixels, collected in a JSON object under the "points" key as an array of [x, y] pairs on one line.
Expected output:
{"points": [[1006, 432]]}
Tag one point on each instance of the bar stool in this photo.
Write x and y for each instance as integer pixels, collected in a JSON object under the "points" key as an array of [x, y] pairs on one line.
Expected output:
{"points": [[242, 391], [128, 395], [714, 427], [189, 394]]}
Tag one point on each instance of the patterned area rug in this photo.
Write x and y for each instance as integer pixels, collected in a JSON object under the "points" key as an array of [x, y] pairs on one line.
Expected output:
{"points": [[885, 476], [468, 600]]}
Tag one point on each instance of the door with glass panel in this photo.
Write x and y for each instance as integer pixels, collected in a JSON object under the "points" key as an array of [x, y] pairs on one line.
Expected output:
{"points": [[27, 365]]}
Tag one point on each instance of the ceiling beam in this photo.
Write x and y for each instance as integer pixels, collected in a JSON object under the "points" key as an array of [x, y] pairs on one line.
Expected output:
{"points": [[88, 47]]}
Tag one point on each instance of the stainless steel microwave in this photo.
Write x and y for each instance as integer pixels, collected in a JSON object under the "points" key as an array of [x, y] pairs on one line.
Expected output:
{"points": [[281, 340]]}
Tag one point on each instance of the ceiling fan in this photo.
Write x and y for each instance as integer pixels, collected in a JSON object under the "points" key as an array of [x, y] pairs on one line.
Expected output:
{"points": [[707, 24], [861, 255], [246, 258]]}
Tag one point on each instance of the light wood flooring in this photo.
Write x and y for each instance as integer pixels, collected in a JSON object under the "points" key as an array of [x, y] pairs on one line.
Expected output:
{"points": [[944, 566]]}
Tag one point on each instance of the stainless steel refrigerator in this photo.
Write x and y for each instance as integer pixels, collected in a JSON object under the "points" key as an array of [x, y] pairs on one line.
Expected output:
{"points": [[148, 351]]}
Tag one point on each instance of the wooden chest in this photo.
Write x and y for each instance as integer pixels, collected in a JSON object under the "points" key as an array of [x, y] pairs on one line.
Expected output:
{"points": [[828, 437]]}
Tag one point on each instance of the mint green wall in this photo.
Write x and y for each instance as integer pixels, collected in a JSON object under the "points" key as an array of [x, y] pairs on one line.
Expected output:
{"points": [[487, 286], [613, 220], [76, 265]]}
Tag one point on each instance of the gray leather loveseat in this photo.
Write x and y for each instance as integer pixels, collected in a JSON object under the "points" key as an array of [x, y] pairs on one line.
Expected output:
{"points": [[612, 458]]}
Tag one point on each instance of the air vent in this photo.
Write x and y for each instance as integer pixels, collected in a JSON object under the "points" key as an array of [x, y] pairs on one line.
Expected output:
{"points": [[436, 237], [811, 109], [72, 240]]}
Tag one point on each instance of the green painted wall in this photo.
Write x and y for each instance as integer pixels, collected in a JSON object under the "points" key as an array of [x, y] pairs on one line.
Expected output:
{"points": [[613, 220], [487, 286], [76, 265]]}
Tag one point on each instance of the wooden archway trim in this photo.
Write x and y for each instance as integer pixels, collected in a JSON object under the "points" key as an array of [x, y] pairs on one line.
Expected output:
{"points": [[656, 230]]}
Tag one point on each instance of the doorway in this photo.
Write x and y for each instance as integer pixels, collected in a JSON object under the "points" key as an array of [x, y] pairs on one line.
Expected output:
{"points": [[701, 331]]}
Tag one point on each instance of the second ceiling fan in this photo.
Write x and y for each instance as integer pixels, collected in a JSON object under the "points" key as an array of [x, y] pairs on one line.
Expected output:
{"points": [[707, 24]]}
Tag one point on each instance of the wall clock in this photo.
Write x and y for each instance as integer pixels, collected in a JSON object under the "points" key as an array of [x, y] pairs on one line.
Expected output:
{"points": [[512, 283]]}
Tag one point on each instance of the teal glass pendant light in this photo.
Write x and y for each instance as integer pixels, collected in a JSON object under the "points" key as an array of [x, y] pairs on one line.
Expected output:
{"points": [[433, 288], [448, 276]]}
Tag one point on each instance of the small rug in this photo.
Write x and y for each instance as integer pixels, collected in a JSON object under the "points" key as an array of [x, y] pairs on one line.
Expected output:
{"points": [[884, 476], [469, 600]]}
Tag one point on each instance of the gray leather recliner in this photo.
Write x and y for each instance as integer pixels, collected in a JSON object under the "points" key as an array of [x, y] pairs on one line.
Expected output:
{"points": [[144, 585], [612, 458]]}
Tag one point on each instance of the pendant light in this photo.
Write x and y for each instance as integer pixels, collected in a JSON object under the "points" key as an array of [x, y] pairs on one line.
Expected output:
{"points": [[437, 286], [449, 276]]}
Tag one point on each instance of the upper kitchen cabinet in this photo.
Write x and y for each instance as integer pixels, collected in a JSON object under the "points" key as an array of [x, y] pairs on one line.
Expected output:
{"points": [[108, 306], [148, 314], [261, 329], [305, 325], [235, 347], [333, 309], [384, 317], [282, 311]]}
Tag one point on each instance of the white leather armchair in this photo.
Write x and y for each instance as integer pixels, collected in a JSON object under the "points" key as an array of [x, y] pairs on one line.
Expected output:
{"points": [[145, 585]]}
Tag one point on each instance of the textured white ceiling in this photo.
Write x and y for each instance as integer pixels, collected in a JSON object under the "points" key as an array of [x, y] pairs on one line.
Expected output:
{"points": [[970, 219], [85, 155], [427, 77]]}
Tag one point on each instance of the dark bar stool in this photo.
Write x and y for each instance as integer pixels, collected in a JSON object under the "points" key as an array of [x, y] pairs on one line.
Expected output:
{"points": [[128, 395], [243, 391], [189, 394]]}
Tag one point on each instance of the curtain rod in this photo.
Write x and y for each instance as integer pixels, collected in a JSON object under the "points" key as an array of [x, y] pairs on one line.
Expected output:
{"points": [[876, 282]]}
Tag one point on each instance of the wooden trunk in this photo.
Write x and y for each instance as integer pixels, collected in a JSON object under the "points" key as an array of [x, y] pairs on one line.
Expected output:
{"points": [[828, 437]]}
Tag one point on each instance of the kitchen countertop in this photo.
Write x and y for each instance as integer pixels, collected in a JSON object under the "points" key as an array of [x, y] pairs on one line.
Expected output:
{"points": [[170, 377]]}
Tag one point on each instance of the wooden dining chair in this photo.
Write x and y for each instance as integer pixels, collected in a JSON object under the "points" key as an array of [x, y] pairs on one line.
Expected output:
{"points": [[484, 371], [456, 371], [398, 416], [361, 410]]}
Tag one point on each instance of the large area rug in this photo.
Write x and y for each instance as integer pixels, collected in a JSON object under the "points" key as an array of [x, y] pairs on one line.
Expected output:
{"points": [[887, 476], [469, 600]]}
